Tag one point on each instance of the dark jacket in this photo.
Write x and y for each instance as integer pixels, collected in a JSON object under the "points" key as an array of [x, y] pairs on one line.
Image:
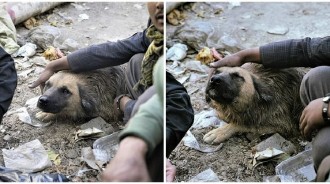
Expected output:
{"points": [[8, 81], [307, 52], [179, 113]]}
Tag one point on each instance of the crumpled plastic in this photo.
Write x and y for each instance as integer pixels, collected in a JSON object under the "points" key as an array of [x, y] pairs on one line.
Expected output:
{"points": [[29, 157], [205, 176], [8, 40], [177, 52], [10, 175]]}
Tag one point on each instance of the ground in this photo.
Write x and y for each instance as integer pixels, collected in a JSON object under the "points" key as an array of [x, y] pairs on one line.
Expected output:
{"points": [[237, 27], [108, 21]]}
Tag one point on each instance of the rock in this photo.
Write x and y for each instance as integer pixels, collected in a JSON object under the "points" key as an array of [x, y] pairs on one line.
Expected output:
{"points": [[7, 138], [278, 142], [278, 30]]}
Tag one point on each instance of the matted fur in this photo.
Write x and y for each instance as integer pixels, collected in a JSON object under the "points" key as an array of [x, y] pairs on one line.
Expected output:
{"points": [[76, 96], [267, 101]]}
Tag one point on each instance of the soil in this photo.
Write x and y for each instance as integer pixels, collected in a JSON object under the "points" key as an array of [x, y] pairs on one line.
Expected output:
{"points": [[248, 24], [108, 21]]}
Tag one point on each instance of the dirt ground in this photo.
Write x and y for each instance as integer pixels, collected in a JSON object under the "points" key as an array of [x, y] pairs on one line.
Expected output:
{"points": [[247, 25], [108, 21]]}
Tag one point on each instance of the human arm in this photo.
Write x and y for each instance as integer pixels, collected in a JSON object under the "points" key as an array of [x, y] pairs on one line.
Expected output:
{"points": [[108, 54], [129, 162], [51, 68], [179, 113], [8, 81], [307, 52], [311, 118]]}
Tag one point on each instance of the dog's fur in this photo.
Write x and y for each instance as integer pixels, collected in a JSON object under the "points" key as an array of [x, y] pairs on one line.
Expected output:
{"points": [[254, 99], [82, 96]]}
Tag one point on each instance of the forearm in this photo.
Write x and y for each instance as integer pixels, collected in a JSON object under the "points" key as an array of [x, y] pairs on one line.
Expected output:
{"points": [[58, 65], [108, 54], [296, 53], [250, 55]]}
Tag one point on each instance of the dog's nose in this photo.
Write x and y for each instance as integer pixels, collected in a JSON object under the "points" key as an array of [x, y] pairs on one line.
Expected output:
{"points": [[214, 79], [43, 101]]}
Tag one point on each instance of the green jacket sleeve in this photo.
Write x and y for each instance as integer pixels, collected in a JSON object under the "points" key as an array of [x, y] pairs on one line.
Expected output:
{"points": [[148, 122]]}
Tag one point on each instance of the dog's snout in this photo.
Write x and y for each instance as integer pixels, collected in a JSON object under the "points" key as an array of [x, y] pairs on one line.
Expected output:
{"points": [[215, 79], [43, 101]]}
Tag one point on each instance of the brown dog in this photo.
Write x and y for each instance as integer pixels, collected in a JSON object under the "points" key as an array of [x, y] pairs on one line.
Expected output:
{"points": [[254, 99], [80, 96]]}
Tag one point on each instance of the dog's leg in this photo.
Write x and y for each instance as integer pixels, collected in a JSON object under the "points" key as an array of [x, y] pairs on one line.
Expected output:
{"points": [[44, 116], [221, 134]]}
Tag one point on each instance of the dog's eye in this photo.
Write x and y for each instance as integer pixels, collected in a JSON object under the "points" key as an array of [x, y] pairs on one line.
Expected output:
{"points": [[65, 90]]}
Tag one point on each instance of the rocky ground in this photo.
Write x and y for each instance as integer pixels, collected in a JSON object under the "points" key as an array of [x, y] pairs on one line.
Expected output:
{"points": [[105, 21], [230, 27]]}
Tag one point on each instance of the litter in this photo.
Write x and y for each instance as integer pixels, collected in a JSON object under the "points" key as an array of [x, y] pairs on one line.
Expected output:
{"points": [[190, 141], [29, 157], [26, 51], [177, 52], [207, 119], [205, 176]]}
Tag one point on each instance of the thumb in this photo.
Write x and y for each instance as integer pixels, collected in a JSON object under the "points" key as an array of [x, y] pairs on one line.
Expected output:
{"points": [[34, 84]]}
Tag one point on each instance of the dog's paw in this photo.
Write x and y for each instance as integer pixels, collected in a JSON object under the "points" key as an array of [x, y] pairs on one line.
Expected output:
{"points": [[44, 116], [219, 135]]}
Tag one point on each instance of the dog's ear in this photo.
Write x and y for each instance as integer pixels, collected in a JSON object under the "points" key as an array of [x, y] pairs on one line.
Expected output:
{"points": [[264, 93], [88, 103]]}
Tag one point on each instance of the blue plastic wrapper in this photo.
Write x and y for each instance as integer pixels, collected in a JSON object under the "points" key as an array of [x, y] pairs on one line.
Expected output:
{"points": [[9, 175]]}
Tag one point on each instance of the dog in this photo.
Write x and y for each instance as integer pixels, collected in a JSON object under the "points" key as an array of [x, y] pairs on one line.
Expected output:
{"points": [[255, 99], [75, 96]]}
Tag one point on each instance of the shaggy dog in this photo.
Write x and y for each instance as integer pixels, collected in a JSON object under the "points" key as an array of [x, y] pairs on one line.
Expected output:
{"points": [[81, 96], [254, 99]]}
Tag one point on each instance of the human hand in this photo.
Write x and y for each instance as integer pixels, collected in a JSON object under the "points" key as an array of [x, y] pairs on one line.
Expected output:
{"points": [[129, 163], [237, 59], [311, 118], [44, 76], [170, 171]]}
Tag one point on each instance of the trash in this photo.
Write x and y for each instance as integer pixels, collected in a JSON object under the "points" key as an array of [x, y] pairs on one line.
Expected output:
{"points": [[299, 167], [8, 39], [23, 115], [29, 157], [278, 142], [100, 124], [205, 176], [183, 79], [31, 23], [54, 157], [80, 7], [138, 6], [266, 155], [83, 17], [50, 53], [177, 52], [87, 155], [197, 66], [10, 175], [190, 141], [45, 36], [88, 133], [207, 119], [175, 17], [39, 61], [205, 56], [233, 4], [277, 178], [26, 51], [106, 147], [278, 30]]}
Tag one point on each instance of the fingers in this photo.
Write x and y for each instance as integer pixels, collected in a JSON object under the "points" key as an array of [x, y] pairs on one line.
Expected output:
{"points": [[34, 84], [217, 64], [216, 54]]}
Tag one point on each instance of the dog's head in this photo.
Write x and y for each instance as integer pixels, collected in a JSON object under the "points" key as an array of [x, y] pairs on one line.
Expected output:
{"points": [[64, 92], [235, 85]]}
